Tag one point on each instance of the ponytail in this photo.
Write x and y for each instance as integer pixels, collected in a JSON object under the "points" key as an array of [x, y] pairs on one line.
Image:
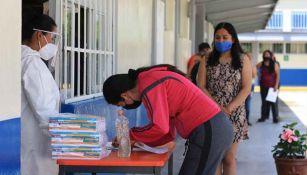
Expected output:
{"points": [[168, 66]]}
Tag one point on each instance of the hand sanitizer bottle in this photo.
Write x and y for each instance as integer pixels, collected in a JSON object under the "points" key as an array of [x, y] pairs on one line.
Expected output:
{"points": [[122, 134]]}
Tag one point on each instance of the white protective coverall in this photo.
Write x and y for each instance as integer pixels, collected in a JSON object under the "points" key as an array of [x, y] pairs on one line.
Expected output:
{"points": [[40, 98]]}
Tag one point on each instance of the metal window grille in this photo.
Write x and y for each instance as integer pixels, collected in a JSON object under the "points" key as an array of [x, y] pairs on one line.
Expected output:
{"points": [[88, 47], [278, 47], [276, 21], [247, 47], [299, 20], [264, 46], [296, 48]]}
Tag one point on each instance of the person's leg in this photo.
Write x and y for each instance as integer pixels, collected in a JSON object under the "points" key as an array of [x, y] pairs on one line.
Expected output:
{"points": [[219, 169], [247, 107], [229, 161], [194, 145], [207, 146], [267, 105], [222, 132], [276, 106], [274, 112], [263, 93]]}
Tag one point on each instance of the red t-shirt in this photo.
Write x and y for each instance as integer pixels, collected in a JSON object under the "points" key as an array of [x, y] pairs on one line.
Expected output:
{"points": [[191, 61], [172, 103], [268, 79]]}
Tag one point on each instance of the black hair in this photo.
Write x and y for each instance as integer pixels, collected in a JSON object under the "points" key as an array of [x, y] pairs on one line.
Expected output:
{"points": [[271, 61], [37, 21], [236, 49], [203, 46], [117, 84]]}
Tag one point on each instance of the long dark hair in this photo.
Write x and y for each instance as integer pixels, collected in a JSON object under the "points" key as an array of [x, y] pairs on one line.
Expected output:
{"points": [[236, 49], [37, 21], [117, 84], [271, 61]]}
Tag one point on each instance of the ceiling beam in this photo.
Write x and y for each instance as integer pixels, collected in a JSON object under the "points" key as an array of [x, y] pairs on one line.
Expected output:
{"points": [[227, 5], [250, 28], [251, 22], [263, 16], [236, 13]]}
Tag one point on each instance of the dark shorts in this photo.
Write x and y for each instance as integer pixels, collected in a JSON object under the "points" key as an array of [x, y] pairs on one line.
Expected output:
{"points": [[207, 145]]}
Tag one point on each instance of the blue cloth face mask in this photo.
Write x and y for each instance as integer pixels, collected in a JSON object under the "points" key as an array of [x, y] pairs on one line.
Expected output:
{"points": [[223, 47]]}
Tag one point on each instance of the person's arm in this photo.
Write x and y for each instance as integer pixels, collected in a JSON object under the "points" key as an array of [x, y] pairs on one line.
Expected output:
{"points": [[259, 65], [202, 77], [277, 71], [254, 72], [39, 93], [246, 87], [190, 65], [160, 130]]}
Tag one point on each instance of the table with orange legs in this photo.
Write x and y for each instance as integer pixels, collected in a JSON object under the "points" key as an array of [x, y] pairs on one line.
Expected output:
{"points": [[139, 162]]}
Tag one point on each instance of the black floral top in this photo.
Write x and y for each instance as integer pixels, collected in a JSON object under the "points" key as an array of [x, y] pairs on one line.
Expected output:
{"points": [[224, 83]]}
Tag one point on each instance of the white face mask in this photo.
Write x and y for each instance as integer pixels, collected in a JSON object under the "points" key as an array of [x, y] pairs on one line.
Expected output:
{"points": [[48, 51]]}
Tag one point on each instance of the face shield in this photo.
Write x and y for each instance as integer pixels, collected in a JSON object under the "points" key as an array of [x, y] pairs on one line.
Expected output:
{"points": [[50, 50]]}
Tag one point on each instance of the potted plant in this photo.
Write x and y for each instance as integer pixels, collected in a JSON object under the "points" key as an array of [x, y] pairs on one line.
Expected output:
{"points": [[290, 152]]}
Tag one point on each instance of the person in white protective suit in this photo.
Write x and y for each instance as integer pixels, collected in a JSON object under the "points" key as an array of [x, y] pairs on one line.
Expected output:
{"points": [[40, 96]]}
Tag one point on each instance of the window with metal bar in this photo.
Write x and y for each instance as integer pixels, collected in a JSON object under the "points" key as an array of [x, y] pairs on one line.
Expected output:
{"points": [[88, 48], [299, 20], [247, 47], [276, 21], [264, 46], [296, 48]]}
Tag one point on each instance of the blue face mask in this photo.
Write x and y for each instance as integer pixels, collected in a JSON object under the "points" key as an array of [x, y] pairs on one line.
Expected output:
{"points": [[223, 47]]}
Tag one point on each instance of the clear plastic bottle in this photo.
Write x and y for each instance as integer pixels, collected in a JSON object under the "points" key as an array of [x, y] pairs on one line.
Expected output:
{"points": [[122, 134]]}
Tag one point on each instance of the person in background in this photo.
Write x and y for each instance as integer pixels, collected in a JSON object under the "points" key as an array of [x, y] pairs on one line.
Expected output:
{"points": [[194, 70], [226, 77], [249, 97], [40, 96], [269, 78], [173, 104], [203, 49], [277, 100]]}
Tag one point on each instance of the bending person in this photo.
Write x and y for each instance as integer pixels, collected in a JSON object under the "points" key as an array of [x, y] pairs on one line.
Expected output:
{"points": [[173, 104]]}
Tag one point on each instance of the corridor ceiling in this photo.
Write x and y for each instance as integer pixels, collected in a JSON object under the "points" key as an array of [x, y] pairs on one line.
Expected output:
{"points": [[245, 15]]}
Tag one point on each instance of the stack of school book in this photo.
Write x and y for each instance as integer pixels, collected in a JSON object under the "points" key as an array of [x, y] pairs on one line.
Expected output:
{"points": [[78, 137]]}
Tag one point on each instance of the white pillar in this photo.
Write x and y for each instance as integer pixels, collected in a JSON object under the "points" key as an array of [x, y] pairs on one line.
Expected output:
{"points": [[286, 21]]}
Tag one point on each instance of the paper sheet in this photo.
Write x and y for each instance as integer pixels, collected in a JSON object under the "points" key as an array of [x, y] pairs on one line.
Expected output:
{"points": [[272, 95], [157, 150], [141, 147]]}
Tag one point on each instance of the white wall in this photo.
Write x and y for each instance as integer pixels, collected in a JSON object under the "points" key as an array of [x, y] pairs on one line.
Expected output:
{"points": [[291, 4], [10, 34], [134, 34], [169, 35], [184, 43]]}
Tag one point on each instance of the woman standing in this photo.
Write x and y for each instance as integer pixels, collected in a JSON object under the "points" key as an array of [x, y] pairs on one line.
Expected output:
{"points": [[226, 78], [174, 103], [269, 78], [40, 95]]}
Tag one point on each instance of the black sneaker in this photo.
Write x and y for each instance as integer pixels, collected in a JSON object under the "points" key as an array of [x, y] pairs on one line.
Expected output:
{"points": [[249, 124], [261, 120], [275, 120]]}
